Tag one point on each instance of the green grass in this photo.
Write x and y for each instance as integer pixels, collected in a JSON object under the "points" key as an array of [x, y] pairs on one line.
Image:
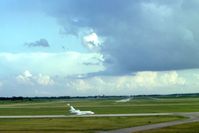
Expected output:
{"points": [[78, 125], [99, 106], [184, 128]]}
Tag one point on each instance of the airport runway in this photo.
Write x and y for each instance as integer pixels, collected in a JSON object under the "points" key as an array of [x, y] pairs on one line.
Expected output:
{"points": [[192, 117], [95, 115]]}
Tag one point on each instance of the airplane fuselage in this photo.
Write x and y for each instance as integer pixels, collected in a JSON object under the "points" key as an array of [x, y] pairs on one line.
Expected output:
{"points": [[78, 112]]}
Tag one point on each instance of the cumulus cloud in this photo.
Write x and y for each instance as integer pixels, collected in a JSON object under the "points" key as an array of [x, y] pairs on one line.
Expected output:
{"points": [[39, 43], [44, 80], [146, 81], [140, 35], [133, 40], [155, 79], [27, 78], [92, 41]]}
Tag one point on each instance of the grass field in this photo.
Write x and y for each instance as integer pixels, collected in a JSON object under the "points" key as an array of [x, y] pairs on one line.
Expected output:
{"points": [[78, 125], [100, 106], [184, 128]]}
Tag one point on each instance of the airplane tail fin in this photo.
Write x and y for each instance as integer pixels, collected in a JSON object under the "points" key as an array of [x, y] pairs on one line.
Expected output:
{"points": [[72, 109]]}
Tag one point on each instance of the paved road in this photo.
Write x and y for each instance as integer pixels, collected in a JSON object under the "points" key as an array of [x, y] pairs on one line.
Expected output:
{"points": [[193, 117], [96, 115]]}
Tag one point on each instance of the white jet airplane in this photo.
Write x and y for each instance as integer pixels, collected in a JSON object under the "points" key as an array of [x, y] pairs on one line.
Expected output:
{"points": [[78, 112], [123, 100]]}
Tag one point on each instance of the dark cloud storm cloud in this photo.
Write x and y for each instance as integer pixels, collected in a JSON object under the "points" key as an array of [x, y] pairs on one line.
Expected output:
{"points": [[39, 43], [140, 34]]}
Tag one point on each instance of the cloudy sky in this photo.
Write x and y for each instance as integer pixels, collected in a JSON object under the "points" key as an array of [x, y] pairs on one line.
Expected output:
{"points": [[96, 47]]}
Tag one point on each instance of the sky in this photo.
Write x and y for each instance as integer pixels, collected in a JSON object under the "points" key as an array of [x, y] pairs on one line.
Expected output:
{"points": [[98, 47]]}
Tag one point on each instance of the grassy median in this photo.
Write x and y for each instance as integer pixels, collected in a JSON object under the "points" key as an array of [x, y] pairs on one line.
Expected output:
{"points": [[78, 125], [101, 106]]}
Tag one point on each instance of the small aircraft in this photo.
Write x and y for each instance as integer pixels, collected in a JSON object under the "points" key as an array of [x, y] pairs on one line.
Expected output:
{"points": [[123, 100], [78, 112]]}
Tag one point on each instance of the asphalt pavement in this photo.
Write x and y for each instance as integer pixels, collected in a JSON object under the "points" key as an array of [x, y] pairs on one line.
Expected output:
{"points": [[191, 117]]}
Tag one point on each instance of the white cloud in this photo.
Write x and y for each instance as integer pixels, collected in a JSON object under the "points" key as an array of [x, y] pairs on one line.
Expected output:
{"points": [[145, 79], [44, 80], [171, 78], [151, 79], [92, 41], [138, 34], [27, 74], [148, 81], [27, 78], [52, 64]]}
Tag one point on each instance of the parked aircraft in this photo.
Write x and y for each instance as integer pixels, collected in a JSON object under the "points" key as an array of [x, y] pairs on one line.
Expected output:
{"points": [[79, 112]]}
